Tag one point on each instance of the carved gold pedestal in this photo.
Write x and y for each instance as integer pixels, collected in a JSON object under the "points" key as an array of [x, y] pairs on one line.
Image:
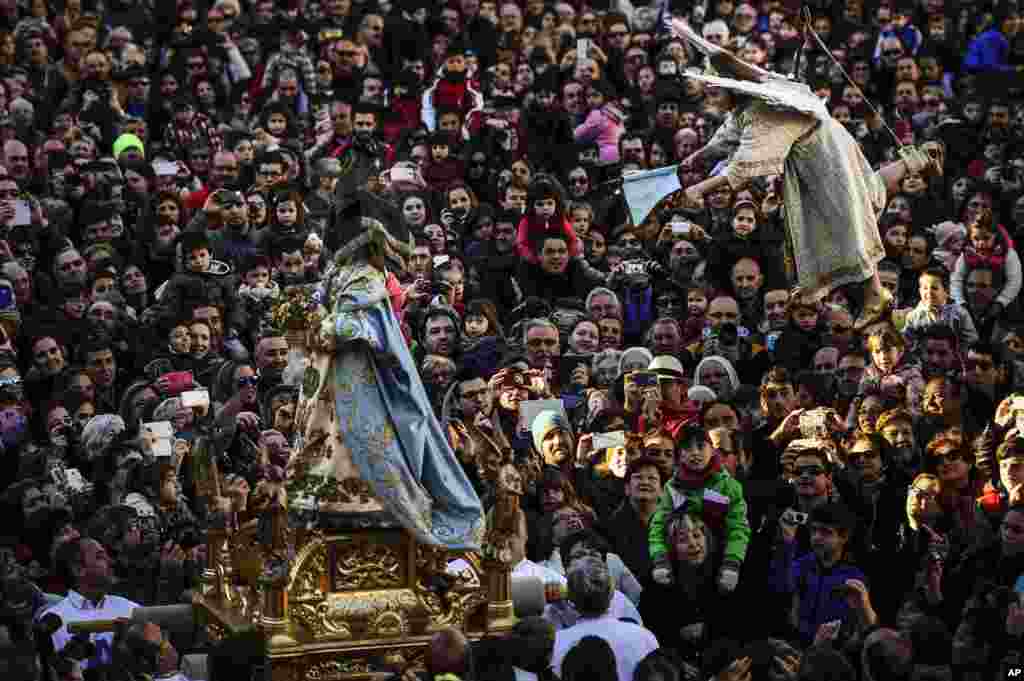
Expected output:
{"points": [[500, 609], [351, 604]]}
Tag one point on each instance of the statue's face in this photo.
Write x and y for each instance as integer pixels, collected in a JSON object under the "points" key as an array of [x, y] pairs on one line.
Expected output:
{"points": [[510, 480], [491, 464]]}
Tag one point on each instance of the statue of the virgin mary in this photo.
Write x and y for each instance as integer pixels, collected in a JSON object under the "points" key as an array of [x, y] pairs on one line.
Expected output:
{"points": [[370, 450]]}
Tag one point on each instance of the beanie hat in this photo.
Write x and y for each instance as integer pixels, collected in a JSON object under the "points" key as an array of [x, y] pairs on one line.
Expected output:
{"points": [[128, 141], [544, 422], [635, 354]]}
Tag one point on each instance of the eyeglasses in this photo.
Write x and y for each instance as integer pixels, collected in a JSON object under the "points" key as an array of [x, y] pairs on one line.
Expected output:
{"points": [[248, 381]]}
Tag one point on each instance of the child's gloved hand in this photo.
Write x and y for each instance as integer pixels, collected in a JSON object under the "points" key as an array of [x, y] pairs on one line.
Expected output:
{"points": [[728, 578], [662, 572]]}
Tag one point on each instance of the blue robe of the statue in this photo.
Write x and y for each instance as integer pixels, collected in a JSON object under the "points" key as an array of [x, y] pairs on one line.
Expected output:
{"points": [[385, 419]]}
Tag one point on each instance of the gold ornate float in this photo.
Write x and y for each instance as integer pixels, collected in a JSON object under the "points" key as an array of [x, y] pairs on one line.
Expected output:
{"points": [[348, 604]]}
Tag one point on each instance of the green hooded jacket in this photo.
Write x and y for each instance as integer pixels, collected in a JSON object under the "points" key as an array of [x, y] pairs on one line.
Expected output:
{"points": [[730, 524]]}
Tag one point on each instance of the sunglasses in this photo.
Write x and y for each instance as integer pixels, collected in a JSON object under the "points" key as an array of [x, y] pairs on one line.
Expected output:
{"points": [[248, 381], [950, 457]]}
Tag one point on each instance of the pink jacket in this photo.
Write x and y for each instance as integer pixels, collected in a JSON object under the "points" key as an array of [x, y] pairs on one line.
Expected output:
{"points": [[604, 126]]}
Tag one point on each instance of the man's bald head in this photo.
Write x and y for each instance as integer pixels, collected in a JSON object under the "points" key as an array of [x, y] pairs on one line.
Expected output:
{"points": [[722, 310], [16, 159], [747, 279], [688, 134], [826, 360]]}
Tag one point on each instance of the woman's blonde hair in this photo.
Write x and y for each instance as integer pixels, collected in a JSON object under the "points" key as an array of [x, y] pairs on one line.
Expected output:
{"points": [[927, 477], [604, 468]]}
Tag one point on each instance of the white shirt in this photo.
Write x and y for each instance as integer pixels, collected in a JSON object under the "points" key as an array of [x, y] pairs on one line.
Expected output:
{"points": [[75, 608], [563, 614], [621, 575], [630, 642]]}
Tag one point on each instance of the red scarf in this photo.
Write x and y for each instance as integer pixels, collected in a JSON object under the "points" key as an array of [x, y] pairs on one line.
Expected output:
{"points": [[687, 479]]}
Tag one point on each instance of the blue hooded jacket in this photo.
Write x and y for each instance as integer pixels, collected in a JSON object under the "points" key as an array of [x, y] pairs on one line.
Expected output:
{"points": [[814, 585]]}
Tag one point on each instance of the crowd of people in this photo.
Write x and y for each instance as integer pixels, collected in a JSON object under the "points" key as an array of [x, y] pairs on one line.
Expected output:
{"points": [[733, 478]]}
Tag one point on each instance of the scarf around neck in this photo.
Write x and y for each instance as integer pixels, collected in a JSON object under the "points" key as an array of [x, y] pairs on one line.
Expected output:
{"points": [[687, 479]]}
